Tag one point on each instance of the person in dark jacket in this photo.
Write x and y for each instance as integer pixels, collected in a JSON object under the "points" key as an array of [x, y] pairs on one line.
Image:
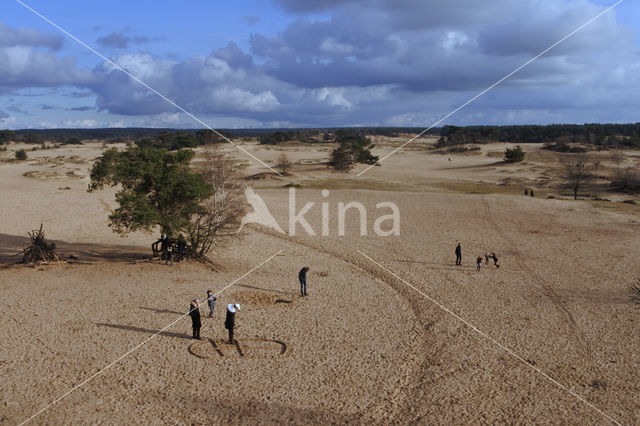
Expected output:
{"points": [[182, 245], [196, 320], [302, 276], [458, 254], [230, 321], [495, 260]]}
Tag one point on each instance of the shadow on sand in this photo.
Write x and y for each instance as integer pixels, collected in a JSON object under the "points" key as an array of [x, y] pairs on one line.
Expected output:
{"points": [[162, 311], [12, 245], [145, 330]]}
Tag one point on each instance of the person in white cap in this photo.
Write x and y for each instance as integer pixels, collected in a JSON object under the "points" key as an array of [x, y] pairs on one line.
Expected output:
{"points": [[196, 320], [230, 321]]}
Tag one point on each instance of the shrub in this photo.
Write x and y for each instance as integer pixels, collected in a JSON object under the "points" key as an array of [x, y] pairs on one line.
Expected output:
{"points": [[21, 154], [514, 155]]}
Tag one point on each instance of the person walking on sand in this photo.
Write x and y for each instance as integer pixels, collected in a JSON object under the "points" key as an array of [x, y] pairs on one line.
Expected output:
{"points": [[196, 319], [211, 300], [302, 276], [495, 260], [458, 255], [230, 321], [479, 261]]}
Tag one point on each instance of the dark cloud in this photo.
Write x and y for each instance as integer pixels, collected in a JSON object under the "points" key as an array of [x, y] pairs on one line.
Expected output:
{"points": [[10, 37], [48, 107], [114, 41], [118, 40], [233, 56]]}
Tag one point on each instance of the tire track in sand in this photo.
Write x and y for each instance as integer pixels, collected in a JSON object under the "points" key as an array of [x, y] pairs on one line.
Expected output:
{"points": [[407, 400], [544, 285]]}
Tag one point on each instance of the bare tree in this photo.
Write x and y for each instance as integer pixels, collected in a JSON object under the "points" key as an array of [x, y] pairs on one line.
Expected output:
{"points": [[223, 210], [283, 163], [578, 172]]}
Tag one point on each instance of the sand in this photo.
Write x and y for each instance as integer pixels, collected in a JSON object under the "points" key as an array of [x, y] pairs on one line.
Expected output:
{"points": [[367, 345]]}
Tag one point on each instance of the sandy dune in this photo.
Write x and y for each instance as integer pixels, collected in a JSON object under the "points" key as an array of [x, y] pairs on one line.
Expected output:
{"points": [[364, 347]]}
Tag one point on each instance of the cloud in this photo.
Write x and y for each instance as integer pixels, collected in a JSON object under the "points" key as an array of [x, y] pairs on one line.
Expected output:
{"points": [[81, 108], [251, 20], [11, 37], [380, 62], [26, 67], [199, 84], [119, 40]]}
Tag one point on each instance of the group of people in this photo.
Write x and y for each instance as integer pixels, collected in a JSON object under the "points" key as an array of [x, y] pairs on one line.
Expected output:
{"points": [[166, 248], [528, 191], [232, 308], [196, 317], [487, 256]]}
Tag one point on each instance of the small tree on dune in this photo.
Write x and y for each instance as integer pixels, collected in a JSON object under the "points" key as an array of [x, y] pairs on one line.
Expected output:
{"points": [[284, 164], [353, 149], [578, 172], [158, 188]]}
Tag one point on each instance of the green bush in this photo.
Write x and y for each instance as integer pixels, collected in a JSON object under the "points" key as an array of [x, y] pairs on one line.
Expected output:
{"points": [[21, 154], [514, 155]]}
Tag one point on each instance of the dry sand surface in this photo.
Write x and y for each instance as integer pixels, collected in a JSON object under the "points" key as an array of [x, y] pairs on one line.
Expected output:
{"points": [[409, 338]]}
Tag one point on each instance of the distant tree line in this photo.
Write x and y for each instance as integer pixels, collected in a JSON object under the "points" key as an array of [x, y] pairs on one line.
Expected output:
{"points": [[619, 135], [182, 139]]}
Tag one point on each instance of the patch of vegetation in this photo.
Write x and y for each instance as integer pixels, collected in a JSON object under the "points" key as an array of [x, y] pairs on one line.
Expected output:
{"points": [[21, 155], [514, 155], [563, 147], [353, 149]]}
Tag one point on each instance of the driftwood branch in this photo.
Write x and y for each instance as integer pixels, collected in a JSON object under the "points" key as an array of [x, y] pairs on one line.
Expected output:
{"points": [[38, 249]]}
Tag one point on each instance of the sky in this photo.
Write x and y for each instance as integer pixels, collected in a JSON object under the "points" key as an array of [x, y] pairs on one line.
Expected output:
{"points": [[316, 63]]}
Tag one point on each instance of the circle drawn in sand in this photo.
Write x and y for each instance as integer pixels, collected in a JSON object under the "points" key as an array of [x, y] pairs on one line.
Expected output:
{"points": [[245, 348]]}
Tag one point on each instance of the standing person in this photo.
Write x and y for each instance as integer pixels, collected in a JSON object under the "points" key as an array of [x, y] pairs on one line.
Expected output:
{"points": [[302, 276], [230, 321], [181, 246], [211, 300], [479, 261], [486, 257], [495, 260], [531, 193], [526, 191], [169, 255], [458, 255], [196, 320], [163, 246]]}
